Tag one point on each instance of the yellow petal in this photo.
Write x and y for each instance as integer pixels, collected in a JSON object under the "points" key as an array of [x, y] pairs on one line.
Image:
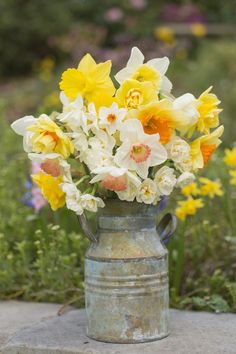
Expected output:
{"points": [[72, 83]]}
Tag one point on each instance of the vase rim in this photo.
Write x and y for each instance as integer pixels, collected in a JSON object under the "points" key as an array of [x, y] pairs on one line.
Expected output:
{"points": [[116, 207]]}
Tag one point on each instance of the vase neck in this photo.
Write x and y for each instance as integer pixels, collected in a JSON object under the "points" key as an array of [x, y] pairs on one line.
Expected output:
{"points": [[118, 216]]}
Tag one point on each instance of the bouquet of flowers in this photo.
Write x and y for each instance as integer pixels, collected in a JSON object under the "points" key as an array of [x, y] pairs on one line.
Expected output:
{"points": [[135, 141]]}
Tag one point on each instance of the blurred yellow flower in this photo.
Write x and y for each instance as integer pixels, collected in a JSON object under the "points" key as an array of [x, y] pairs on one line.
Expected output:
{"points": [[48, 137], [45, 68], [211, 188], [208, 111], [190, 190], [188, 207], [90, 80], [198, 30], [52, 99], [133, 93], [50, 188], [233, 179], [230, 157], [165, 34]]}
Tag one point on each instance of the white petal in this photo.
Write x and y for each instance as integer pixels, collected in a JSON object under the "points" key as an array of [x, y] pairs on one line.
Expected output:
{"points": [[158, 155], [166, 85], [20, 125], [136, 58], [42, 157], [64, 99], [142, 169], [130, 130], [183, 101], [79, 102], [124, 74], [26, 142], [160, 64]]}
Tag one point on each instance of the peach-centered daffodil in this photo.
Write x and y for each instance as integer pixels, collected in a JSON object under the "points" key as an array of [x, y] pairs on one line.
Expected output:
{"points": [[202, 148], [91, 80], [138, 150]]}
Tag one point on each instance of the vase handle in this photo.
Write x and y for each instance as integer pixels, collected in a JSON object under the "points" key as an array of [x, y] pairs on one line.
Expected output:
{"points": [[166, 227], [86, 228]]}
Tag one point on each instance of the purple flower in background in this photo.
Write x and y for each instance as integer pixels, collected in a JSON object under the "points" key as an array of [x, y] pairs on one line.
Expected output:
{"points": [[138, 4], [114, 14], [33, 197], [187, 13]]}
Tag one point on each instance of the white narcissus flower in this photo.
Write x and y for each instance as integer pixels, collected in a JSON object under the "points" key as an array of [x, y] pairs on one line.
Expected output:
{"points": [[184, 179], [73, 115], [178, 149], [100, 150], [91, 203], [52, 164], [20, 127], [187, 104], [73, 197], [114, 178], [79, 140], [154, 71], [111, 117], [147, 192], [184, 166], [138, 150], [165, 180], [130, 193]]}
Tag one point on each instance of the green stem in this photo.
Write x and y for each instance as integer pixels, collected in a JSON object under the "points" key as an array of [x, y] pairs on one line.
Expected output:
{"points": [[81, 180], [180, 260]]}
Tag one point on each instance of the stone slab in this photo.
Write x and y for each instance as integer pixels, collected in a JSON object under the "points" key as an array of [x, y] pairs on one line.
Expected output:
{"points": [[191, 333], [16, 315]]}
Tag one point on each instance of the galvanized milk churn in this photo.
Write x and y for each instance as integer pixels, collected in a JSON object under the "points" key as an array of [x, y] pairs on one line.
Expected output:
{"points": [[126, 274]]}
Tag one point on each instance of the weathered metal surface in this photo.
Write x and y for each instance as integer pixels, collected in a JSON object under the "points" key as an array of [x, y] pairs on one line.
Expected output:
{"points": [[126, 276]]}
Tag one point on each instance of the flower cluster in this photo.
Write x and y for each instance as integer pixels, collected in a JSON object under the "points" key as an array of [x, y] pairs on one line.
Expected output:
{"points": [[136, 142], [205, 188]]}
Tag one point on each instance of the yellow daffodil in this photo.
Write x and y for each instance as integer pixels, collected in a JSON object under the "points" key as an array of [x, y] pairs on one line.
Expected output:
{"points": [[207, 106], [50, 188], [198, 30], [230, 157], [159, 117], [165, 34], [47, 137], [188, 207], [133, 93], [210, 188], [190, 190], [152, 71], [233, 179], [90, 80], [201, 149]]}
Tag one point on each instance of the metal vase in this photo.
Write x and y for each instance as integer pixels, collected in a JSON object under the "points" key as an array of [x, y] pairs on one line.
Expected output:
{"points": [[126, 274]]}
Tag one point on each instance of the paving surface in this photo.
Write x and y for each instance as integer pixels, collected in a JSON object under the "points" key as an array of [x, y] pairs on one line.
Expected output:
{"points": [[36, 329]]}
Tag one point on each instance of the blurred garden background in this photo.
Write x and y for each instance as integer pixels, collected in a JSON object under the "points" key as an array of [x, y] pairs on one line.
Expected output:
{"points": [[42, 252]]}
